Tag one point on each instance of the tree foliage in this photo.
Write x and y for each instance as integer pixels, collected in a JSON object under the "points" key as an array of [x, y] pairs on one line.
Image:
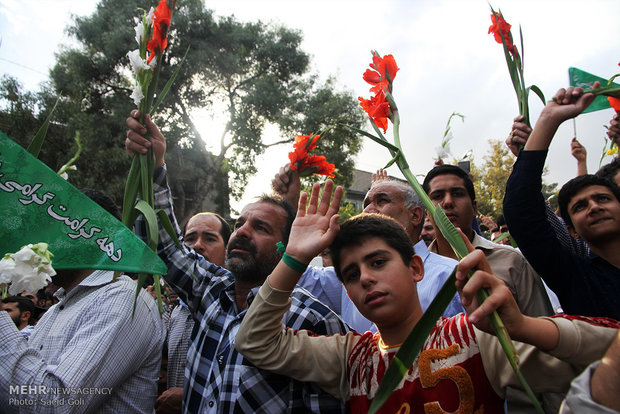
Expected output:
{"points": [[251, 74], [490, 179]]}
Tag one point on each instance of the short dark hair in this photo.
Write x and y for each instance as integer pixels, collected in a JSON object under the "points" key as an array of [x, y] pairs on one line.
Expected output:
{"points": [[453, 170], [287, 207], [104, 201], [610, 170], [225, 231], [572, 187], [23, 304], [358, 229]]}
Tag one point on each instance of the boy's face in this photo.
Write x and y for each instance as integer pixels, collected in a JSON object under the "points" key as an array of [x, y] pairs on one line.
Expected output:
{"points": [[595, 213], [379, 283], [448, 190]]}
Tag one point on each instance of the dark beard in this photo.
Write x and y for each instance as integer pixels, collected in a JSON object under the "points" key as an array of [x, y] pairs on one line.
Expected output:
{"points": [[250, 267]]}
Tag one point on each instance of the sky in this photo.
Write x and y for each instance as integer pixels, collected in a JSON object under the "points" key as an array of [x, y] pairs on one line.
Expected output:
{"points": [[448, 63]]}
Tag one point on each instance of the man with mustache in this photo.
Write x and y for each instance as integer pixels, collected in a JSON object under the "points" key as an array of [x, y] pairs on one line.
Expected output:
{"points": [[220, 379]]}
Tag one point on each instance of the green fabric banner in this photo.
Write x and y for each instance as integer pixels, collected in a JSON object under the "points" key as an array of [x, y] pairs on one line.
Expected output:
{"points": [[585, 80], [40, 206]]}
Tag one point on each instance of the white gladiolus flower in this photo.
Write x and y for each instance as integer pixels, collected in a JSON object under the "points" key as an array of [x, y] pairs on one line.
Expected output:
{"points": [[136, 61], [443, 152], [29, 269], [139, 32], [137, 94], [149, 16], [25, 254], [7, 267]]}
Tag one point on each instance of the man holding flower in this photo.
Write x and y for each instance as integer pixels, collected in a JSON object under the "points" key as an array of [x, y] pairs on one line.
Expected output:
{"points": [[220, 378]]}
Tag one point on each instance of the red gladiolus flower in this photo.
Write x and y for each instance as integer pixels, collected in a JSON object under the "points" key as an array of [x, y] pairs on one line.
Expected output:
{"points": [[377, 108], [308, 164], [501, 27], [161, 23], [614, 102], [381, 76]]}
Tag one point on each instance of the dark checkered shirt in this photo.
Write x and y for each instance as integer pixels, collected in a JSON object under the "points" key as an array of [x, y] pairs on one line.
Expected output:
{"points": [[218, 378]]}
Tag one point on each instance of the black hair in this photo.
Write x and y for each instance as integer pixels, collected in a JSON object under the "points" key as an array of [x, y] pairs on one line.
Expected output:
{"points": [[104, 201], [453, 170], [572, 187], [501, 220], [23, 304], [358, 229], [610, 170], [225, 231], [287, 207]]}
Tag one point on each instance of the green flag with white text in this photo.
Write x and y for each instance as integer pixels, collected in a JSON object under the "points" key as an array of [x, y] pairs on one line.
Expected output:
{"points": [[40, 206], [578, 77]]}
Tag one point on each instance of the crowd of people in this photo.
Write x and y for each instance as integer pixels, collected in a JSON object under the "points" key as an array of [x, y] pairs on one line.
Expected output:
{"points": [[249, 326]]}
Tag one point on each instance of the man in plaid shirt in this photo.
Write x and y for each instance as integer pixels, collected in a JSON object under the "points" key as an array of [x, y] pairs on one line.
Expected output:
{"points": [[218, 378]]}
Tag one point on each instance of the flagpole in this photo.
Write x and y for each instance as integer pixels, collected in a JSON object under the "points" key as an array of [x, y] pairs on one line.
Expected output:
{"points": [[574, 128]]}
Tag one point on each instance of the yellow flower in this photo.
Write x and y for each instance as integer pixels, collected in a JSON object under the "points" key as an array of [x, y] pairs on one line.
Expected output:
{"points": [[612, 151]]}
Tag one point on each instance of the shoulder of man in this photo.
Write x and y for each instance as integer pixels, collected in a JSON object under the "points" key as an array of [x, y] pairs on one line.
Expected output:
{"points": [[307, 312]]}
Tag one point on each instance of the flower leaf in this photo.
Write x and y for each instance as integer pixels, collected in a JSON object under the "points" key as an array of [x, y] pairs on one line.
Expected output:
{"points": [[150, 217], [378, 140], [538, 92], [449, 232], [168, 85], [167, 225], [141, 279], [37, 142]]}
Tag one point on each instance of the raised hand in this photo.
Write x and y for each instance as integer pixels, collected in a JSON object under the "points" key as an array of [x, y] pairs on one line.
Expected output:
{"points": [[380, 175], [568, 103], [316, 226]]}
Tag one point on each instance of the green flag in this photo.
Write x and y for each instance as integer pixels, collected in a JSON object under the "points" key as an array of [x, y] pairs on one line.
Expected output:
{"points": [[585, 80], [40, 206]]}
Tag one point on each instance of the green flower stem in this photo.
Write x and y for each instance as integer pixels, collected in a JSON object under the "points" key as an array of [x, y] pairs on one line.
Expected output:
{"points": [[611, 90], [72, 161]]}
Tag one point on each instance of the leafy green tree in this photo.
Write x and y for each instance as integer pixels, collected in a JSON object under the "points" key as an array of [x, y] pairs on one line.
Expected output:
{"points": [[490, 179], [22, 113], [254, 74]]}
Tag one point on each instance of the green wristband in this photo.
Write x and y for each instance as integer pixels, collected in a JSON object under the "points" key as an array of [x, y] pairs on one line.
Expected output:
{"points": [[290, 261]]}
